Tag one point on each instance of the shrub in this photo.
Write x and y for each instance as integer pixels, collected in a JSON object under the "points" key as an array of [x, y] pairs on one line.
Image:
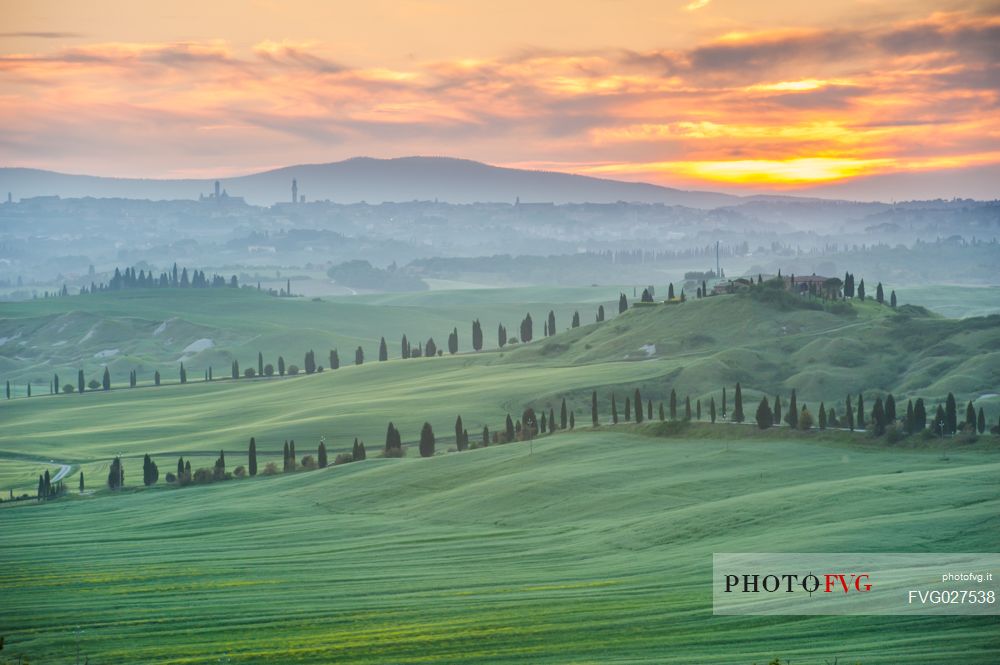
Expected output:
{"points": [[392, 452], [240, 471], [805, 419], [270, 469], [309, 463], [344, 458], [966, 434], [68, 388], [293, 369], [203, 476], [171, 478], [269, 370], [94, 384], [249, 372], [894, 433]]}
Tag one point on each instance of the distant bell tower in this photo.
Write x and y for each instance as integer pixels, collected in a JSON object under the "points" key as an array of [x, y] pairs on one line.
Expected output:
{"points": [[217, 189], [295, 191]]}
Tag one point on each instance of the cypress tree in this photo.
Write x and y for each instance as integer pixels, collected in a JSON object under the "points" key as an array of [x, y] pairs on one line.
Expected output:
{"points": [[861, 409], [80, 386], [576, 320], [180, 468], [950, 415], [477, 336], [910, 424], [776, 412], [552, 421], [260, 364], [981, 421], [184, 376], [156, 378], [55, 383], [404, 348], [509, 429], [638, 406], [284, 457], [236, 369], [291, 454], [459, 433], [545, 423], [724, 402], [879, 294], [878, 417], [593, 408], [29, 388], [8, 389], [628, 409], [673, 404], [663, 415], [849, 411], [861, 294], [81, 481], [321, 455], [919, 415], [219, 472], [334, 359], [892, 299], [764, 415], [600, 313], [622, 303], [563, 417], [649, 409], [383, 350], [309, 362], [822, 416], [698, 409], [359, 356], [940, 421], [711, 409], [792, 417], [486, 436], [281, 365], [453, 342], [572, 420], [552, 323], [687, 407], [614, 410], [426, 440], [252, 461], [501, 336], [970, 416], [738, 405], [890, 409]]}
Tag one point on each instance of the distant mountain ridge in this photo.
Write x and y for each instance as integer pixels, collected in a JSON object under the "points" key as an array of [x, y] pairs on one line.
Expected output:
{"points": [[373, 180]]}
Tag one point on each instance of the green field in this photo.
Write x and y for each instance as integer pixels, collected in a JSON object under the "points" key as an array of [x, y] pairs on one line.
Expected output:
{"points": [[591, 546]]}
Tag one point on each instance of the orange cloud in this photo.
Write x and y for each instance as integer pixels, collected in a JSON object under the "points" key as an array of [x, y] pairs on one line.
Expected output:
{"points": [[751, 108]]}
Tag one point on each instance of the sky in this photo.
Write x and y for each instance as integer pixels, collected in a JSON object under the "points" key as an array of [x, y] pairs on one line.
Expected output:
{"points": [[852, 98]]}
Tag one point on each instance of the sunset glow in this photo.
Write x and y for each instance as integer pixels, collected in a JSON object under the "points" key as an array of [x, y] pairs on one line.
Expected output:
{"points": [[718, 99]]}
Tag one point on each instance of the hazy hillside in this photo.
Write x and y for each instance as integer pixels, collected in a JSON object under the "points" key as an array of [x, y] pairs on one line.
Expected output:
{"points": [[371, 180]]}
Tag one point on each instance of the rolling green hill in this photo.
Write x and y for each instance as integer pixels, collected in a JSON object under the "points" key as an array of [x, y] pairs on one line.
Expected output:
{"points": [[695, 348], [589, 547], [150, 330]]}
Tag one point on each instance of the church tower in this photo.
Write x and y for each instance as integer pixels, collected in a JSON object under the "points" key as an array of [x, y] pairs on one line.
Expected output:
{"points": [[295, 191]]}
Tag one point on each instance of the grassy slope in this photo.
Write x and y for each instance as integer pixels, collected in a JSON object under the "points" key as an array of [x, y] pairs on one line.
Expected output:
{"points": [[64, 334], [596, 548], [699, 347]]}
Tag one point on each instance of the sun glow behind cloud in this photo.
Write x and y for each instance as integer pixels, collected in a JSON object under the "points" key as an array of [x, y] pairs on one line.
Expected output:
{"points": [[750, 108]]}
